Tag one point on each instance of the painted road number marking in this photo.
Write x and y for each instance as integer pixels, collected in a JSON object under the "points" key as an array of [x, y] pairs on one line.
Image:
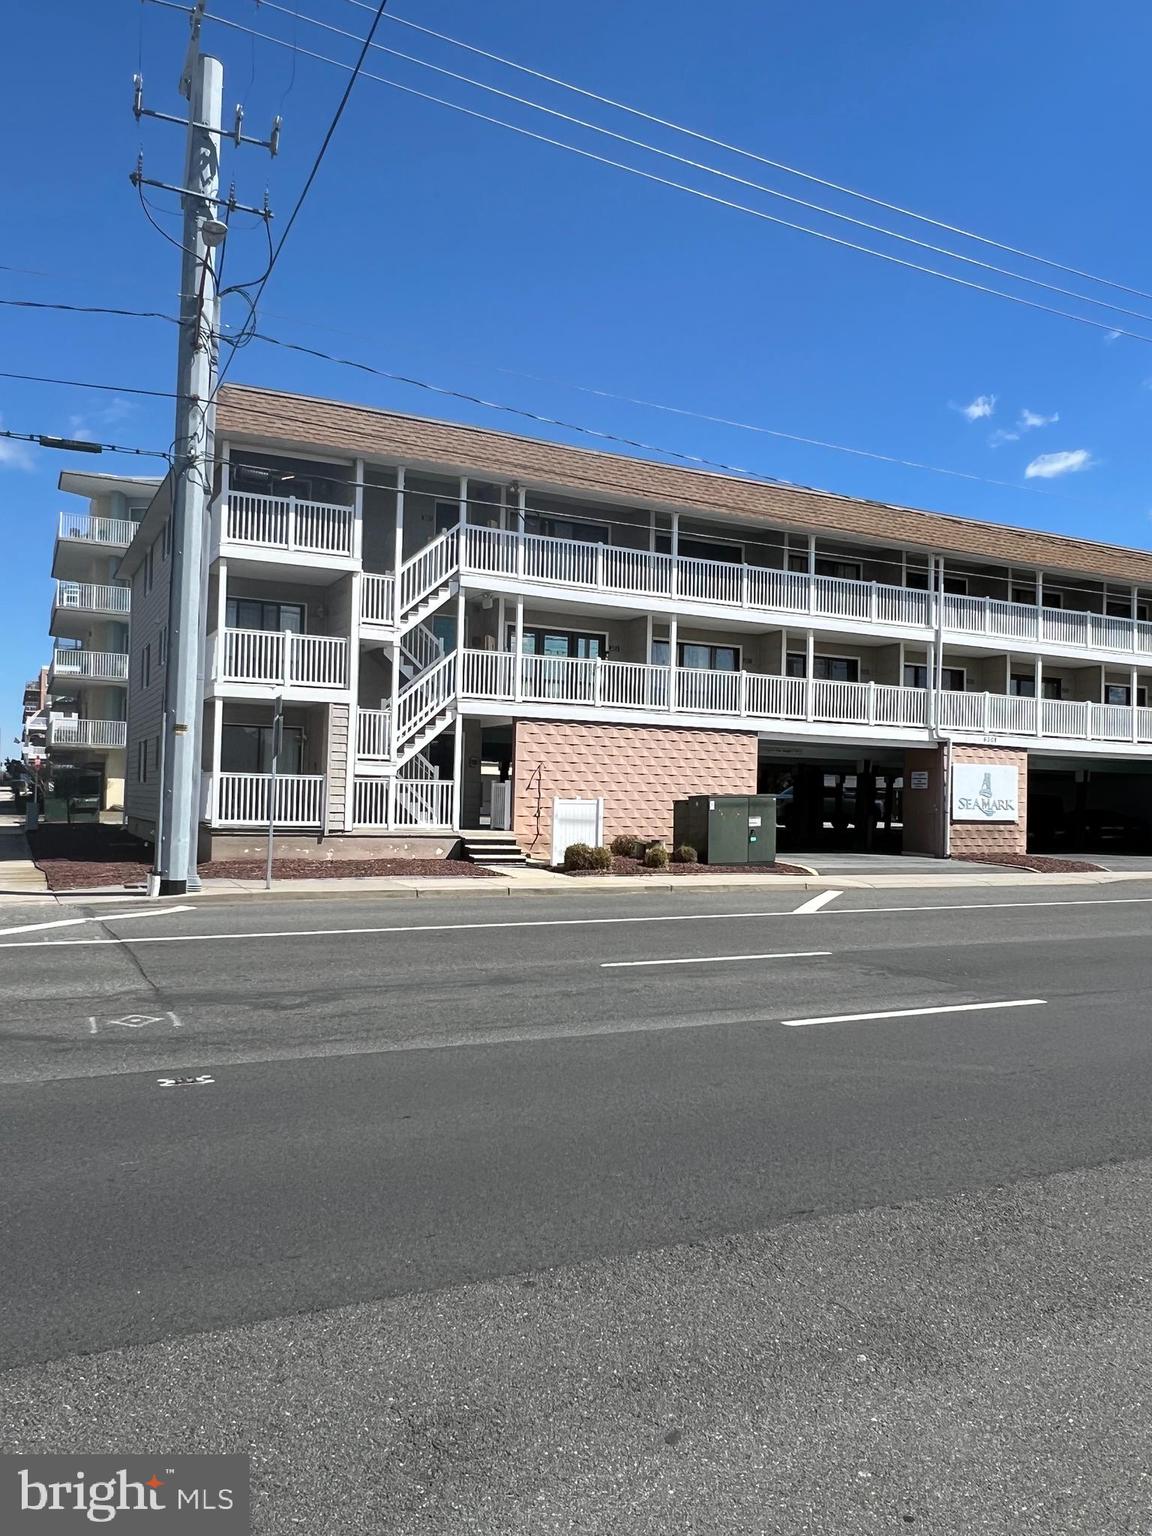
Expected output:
{"points": [[185, 1082], [913, 1013]]}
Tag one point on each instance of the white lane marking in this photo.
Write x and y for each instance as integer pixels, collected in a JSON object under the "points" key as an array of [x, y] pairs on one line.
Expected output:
{"points": [[796, 954], [93, 1027], [913, 1013], [817, 902], [185, 1082], [103, 917], [563, 922]]}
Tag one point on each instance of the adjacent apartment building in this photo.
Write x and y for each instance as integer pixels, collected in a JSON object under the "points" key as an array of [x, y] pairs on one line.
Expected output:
{"points": [[473, 630], [88, 674]]}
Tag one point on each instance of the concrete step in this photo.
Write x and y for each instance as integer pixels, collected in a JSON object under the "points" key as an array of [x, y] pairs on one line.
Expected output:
{"points": [[493, 848]]}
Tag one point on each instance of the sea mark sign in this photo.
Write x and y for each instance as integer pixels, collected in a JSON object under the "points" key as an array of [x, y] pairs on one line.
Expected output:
{"points": [[985, 792]]}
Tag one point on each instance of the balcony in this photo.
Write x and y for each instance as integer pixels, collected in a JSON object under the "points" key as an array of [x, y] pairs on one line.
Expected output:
{"points": [[634, 689], [76, 603], [285, 526], [73, 732], [80, 537], [276, 659], [399, 803], [81, 666], [746, 590]]}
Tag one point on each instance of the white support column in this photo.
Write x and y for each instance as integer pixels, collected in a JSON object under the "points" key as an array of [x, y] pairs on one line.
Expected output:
{"points": [[673, 655], [221, 608], [520, 511], [811, 578], [1135, 608], [217, 743], [501, 623], [648, 640], [1038, 689], [457, 769], [358, 510], [398, 544], [462, 504], [810, 674], [220, 512], [518, 662], [674, 583], [1133, 689], [1039, 605]]}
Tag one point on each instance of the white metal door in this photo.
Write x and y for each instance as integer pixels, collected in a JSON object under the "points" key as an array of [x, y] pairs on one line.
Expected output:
{"points": [[576, 821]]}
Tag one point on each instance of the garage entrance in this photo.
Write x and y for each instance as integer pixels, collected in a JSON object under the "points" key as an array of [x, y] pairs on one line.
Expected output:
{"points": [[1082, 807], [838, 801]]}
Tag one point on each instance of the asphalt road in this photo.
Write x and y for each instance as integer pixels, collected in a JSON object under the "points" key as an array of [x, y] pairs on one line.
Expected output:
{"points": [[415, 1109]]}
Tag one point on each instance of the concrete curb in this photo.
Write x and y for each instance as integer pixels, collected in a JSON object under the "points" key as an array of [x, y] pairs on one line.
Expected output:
{"points": [[562, 885]]}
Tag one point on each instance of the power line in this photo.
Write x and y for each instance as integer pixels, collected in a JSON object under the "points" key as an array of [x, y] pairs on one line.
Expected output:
{"points": [[680, 186], [711, 170], [49, 440], [89, 309], [115, 389], [778, 165], [309, 179]]}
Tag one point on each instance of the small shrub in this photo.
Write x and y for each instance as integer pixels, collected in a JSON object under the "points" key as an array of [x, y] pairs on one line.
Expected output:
{"points": [[686, 854], [578, 856], [656, 857], [601, 858], [624, 845]]}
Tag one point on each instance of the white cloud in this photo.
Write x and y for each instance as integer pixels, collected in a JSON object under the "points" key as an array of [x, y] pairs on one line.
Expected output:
{"points": [[79, 429], [1112, 336], [977, 409], [1029, 419], [1048, 465], [1001, 436]]}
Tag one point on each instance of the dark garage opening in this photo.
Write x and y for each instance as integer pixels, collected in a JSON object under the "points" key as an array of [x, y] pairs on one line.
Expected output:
{"points": [[1089, 807]]}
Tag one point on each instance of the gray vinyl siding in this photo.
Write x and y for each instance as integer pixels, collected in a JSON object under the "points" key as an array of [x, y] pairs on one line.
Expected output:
{"points": [[339, 729], [145, 702]]}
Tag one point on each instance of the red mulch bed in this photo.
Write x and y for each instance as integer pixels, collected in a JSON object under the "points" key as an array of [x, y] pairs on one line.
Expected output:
{"points": [[75, 858], [637, 867], [1038, 863], [341, 869]]}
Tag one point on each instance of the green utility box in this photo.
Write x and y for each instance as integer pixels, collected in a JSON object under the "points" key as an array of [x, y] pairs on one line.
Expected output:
{"points": [[728, 829]]}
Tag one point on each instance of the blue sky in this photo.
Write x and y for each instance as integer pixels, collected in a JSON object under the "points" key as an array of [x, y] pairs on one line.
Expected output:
{"points": [[457, 252]]}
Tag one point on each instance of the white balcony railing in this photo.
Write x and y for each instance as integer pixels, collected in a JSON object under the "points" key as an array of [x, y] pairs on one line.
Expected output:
{"points": [[377, 599], [395, 803], [762, 697], [98, 666], [640, 573], [373, 734], [116, 531], [92, 597], [284, 659], [288, 523], [244, 799], [87, 733]]}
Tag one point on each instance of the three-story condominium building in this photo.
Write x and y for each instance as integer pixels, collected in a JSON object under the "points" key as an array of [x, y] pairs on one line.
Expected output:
{"points": [[467, 627], [88, 674]]}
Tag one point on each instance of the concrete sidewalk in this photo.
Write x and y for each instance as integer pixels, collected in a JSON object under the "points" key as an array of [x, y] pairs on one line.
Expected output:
{"points": [[19, 877]]}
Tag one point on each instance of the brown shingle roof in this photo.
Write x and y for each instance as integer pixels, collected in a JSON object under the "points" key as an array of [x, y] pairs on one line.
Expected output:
{"points": [[270, 415]]}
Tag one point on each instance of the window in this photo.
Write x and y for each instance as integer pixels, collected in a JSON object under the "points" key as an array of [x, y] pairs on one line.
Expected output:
{"points": [[162, 646], [540, 641], [142, 762], [1121, 608], [149, 567], [566, 528], [146, 666], [1028, 595], [700, 549], [1023, 685], [957, 586], [829, 669], [706, 658], [166, 540], [917, 676], [248, 749], [843, 570], [1121, 693], [253, 613]]}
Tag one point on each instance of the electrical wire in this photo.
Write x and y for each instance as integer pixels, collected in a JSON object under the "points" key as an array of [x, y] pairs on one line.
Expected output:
{"points": [[777, 165], [307, 187], [710, 197], [698, 165], [90, 309], [49, 438], [115, 389]]}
